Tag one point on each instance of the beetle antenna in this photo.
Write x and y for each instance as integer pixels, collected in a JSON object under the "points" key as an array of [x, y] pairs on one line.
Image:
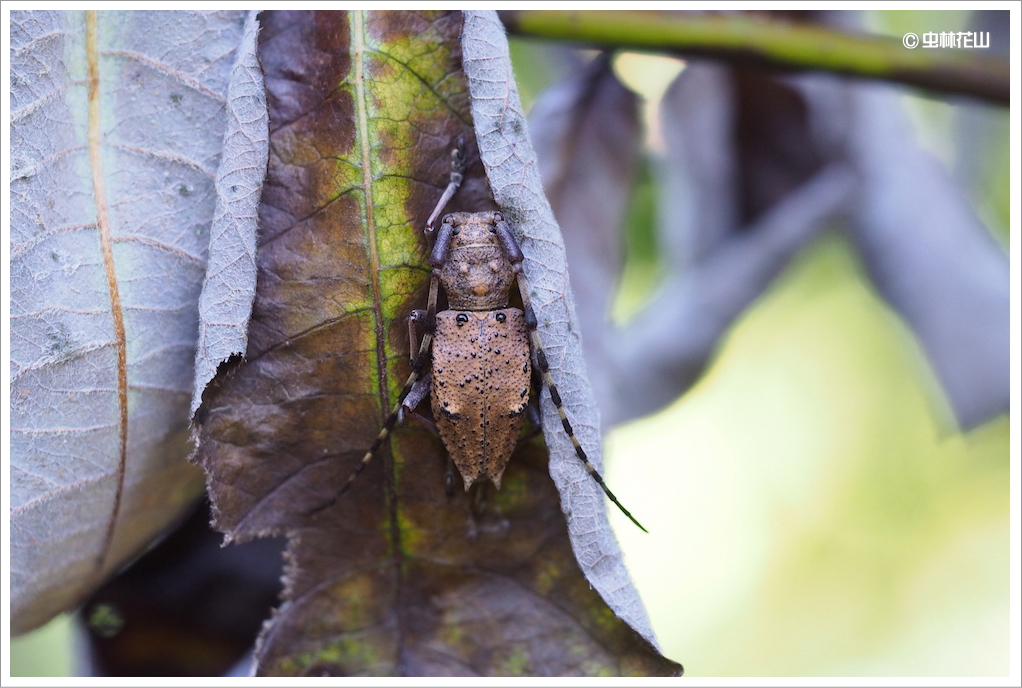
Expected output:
{"points": [[514, 255], [457, 175]]}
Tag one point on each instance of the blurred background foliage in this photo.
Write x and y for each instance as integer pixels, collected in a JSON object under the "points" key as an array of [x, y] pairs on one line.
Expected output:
{"points": [[812, 514], [812, 511]]}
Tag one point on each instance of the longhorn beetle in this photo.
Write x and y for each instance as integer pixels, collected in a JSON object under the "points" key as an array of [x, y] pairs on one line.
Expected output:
{"points": [[481, 351]]}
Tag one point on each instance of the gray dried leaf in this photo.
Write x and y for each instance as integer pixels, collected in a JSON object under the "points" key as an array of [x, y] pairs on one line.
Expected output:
{"points": [[923, 245], [932, 259], [229, 288], [666, 348], [116, 130], [699, 173], [514, 176], [718, 259], [588, 141]]}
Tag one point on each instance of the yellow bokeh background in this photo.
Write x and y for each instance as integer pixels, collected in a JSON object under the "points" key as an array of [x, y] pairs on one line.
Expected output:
{"points": [[813, 509], [811, 513]]}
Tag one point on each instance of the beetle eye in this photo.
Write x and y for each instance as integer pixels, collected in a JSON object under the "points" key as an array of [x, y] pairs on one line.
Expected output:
{"points": [[493, 229]]}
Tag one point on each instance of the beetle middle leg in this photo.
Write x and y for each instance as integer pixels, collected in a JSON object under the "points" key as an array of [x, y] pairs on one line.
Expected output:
{"points": [[420, 390], [418, 366], [532, 414]]}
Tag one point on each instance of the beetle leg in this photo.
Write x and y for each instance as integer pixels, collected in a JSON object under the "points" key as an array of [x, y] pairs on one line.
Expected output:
{"points": [[532, 410], [437, 259], [419, 391], [479, 500], [513, 253], [388, 425], [414, 318], [535, 423]]}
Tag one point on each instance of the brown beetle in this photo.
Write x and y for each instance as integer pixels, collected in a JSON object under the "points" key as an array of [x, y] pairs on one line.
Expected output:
{"points": [[481, 351]]}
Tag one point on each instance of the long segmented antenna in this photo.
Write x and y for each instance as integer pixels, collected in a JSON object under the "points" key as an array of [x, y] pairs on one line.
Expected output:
{"points": [[457, 175], [514, 255]]}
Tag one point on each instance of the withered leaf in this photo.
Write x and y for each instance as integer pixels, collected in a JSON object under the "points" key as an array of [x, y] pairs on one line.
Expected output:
{"points": [[229, 284], [512, 167], [932, 259], [588, 141], [117, 128], [743, 190], [395, 578]]}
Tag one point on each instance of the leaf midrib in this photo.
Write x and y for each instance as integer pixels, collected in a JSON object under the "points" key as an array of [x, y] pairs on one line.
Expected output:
{"points": [[359, 50], [95, 140]]}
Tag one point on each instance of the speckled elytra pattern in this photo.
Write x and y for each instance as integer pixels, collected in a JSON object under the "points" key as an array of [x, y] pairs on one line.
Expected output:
{"points": [[481, 377]]}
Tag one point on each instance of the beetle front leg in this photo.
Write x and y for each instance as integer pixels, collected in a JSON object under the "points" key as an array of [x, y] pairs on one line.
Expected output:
{"points": [[513, 253]]}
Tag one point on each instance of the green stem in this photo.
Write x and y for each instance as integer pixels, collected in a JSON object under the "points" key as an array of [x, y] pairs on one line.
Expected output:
{"points": [[734, 37]]}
